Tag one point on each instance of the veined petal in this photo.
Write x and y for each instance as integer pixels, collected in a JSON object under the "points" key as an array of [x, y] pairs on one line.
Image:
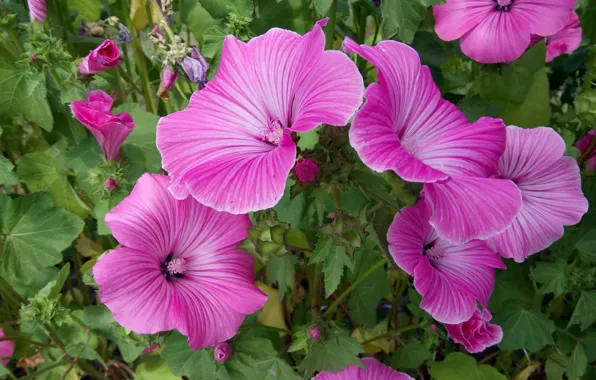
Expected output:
{"points": [[456, 18], [544, 17], [407, 236], [374, 371], [566, 40], [467, 208], [149, 219]]}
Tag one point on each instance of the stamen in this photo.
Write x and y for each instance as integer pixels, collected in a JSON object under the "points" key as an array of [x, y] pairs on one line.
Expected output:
{"points": [[504, 5], [274, 132], [173, 268], [410, 144], [432, 250]]}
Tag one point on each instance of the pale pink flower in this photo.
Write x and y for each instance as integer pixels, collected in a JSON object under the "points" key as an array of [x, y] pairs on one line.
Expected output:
{"points": [[551, 187], [109, 130], [37, 10], [222, 352], [584, 144], [476, 334], [306, 170], [102, 58], [6, 348], [236, 132], [451, 278], [373, 371], [406, 126], [492, 31], [179, 268], [566, 40]]}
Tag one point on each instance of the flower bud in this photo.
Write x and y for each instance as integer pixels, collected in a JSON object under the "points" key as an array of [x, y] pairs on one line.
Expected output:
{"points": [[315, 333], [433, 326], [110, 184], [306, 170], [168, 78], [102, 58], [196, 68], [222, 352]]}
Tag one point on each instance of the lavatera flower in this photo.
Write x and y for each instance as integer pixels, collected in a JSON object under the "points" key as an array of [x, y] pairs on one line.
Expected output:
{"points": [[231, 148], [407, 127], [102, 58], [477, 333], [179, 267], [373, 371]]}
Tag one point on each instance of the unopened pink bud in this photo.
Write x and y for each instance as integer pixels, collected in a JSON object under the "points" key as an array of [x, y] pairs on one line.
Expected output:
{"points": [[433, 326], [306, 170], [315, 333], [110, 184], [222, 352], [32, 58]]}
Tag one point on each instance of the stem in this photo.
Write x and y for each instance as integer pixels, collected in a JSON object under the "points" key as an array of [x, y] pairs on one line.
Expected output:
{"points": [[129, 72], [394, 332], [46, 369], [270, 328], [316, 290], [563, 331], [343, 296], [337, 198], [84, 288], [19, 339], [85, 366], [9, 294], [330, 31], [484, 360], [120, 84]]}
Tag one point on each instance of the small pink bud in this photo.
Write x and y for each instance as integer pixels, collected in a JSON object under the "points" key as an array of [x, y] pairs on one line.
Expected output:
{"points": [[306, 170], [149, 349], [32, 58], [433, 326], [110, 184], [168, 78], [222, 352], [315, 333]]}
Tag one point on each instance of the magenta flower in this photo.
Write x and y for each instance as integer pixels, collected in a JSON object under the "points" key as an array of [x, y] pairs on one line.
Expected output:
{"points": [[102, 58], [476, 334], [566, 40], [583, 145], [492, 31], [180, 268], [406, 126], [196, 68], [222, 352], [551, 187], [451, 278], [236, 132], [315, 333], [168, 78], [306, 170], [109, 130], [373, 371], [37, 10], [6, 348]]}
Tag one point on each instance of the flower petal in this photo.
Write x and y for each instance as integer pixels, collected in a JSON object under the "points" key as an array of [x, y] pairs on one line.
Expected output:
{"points": [[132, 286], [149, 219], [566, 40], [374, 371], [466, 208], [407, 235], [456, 18], [500, 37], [544, 17]]}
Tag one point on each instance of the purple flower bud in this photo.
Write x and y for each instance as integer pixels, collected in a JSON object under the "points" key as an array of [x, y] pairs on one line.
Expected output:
{"points": [[222, 352], [196, 68], [110, 184], [315, 333], [306, 170], [168, 78], [124, 35]]}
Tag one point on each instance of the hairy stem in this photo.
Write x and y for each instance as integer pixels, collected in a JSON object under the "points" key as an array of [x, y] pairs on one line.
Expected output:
{"points": [[394, 332]]}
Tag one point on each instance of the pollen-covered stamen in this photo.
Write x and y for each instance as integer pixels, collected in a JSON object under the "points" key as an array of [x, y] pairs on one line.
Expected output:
{"points": [[173, 268], [432, 250], [273, 132], [410, 144], [503, 5]]}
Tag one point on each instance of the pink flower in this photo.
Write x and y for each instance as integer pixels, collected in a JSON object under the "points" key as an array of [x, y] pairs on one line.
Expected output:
{"points": [[315, 333], [476, 334], [492, 31], [102, 58], [451, 278], [373, 371], [109, 130], [551, 187], [236, 132], [180, 268], [149, 349], [6, 348], [566, 40], [583, 145], [406, 126], [168, 78], [306, 170], [37, 10], [110, 184], [222, 352]]}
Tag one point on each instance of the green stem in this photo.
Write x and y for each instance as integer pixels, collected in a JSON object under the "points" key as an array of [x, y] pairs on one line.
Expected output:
{"points": [[46, 369], [85, 366], [9, 294], [330, 31], [575, 337], [336, 197], [263, 327], [84, 288], [129, 72], [394, 332], [120, 84], [316, 290], [28, 341], [343, 296]]}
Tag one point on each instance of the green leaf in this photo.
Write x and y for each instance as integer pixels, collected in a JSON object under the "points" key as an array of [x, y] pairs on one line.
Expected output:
{"points": [[196, 17], [589, 342], [23, 93], [512, 284], [83, 351], [88, 10], [410, 357], [59, 282], [374, 187], [578, 362], [585, 310], [309, 139], [154, 368], [35, 233], [322, 6], [294, 15], [99, 317], [282, 269], [183, 361], [555, 366], [458, 366], [365, 298], [587, 246], [524, 329], [334, 258], [41, 172], [552, 276], [332, 355], [7, 176], [401, 18]]}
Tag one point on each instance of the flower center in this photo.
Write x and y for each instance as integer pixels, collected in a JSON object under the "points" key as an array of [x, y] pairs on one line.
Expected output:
{"points": [[273, 133], [503, 5], [173, 268], [410, 145], [432, 251]]}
